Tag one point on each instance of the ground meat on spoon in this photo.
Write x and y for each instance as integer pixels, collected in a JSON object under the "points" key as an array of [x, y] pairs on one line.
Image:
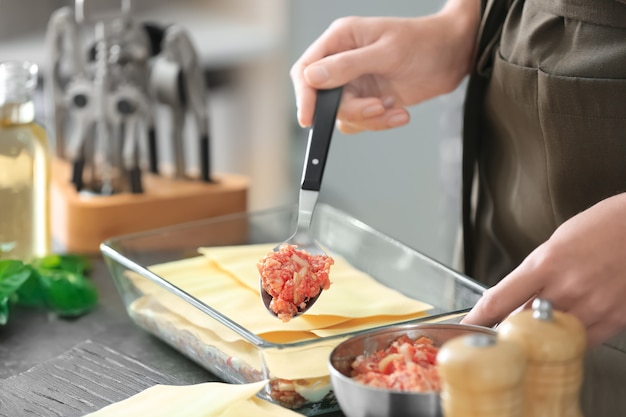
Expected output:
{"points": [[292, 277], [406, 365]]}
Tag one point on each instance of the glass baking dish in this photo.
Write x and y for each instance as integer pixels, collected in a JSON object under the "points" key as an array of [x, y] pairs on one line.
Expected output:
{"points": [[237, 355]]}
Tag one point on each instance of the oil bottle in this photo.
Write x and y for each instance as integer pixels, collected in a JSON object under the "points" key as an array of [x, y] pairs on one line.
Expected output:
{"points": [[24, 166]]}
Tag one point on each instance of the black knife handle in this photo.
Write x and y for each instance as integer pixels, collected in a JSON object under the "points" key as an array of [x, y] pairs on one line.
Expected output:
{"points": [[134, 179], [320, 135], [78, 166], [153, 157], [205, 158]]}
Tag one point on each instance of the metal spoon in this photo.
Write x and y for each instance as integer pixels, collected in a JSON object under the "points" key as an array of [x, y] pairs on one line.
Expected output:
{"points": [[318, 144]]}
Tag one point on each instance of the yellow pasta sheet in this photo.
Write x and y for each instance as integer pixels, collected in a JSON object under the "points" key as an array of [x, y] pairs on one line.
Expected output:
{"points": [[226, 279], [211, 399]]}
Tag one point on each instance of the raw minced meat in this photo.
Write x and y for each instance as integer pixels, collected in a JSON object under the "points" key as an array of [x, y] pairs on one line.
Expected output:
{"points": [[292, 277], [406, 365]]}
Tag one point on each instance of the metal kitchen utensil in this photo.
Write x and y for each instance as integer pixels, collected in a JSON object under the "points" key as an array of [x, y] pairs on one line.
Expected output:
{"points": [[107, 72], [318, 144]]}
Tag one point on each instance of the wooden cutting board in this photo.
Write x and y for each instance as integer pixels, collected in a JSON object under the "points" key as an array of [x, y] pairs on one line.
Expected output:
{"points": [[82, 380]]}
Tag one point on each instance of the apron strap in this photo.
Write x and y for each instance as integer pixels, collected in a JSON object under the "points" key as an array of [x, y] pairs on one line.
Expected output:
{"points": [[494, 13]]}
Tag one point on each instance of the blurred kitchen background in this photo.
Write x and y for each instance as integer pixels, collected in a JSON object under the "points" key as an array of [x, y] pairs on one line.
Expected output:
{"points": [[404, 182]]}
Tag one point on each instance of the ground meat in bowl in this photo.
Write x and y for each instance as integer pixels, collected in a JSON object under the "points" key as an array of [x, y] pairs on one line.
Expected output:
{"points": [[292, 277], [406, 365]]}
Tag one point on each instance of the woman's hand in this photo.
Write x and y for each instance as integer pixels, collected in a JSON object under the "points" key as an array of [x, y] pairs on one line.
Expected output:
{"points": [[386, 64], [581, 269]]}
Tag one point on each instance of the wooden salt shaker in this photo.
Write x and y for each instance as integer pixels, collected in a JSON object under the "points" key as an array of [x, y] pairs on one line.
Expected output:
{"points": [[554, 343], [481, 376]]}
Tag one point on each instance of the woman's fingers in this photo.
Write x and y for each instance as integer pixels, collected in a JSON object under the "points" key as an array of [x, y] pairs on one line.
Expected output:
{"points": [[515, 290], [333, 71], [388, 120], [601, 331], [346, 66], [409, 59], [348, 50], [579, 269], [332, 41]]}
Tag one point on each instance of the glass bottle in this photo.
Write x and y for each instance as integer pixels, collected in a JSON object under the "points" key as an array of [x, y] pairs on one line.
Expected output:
{"points": [[24, 167]]}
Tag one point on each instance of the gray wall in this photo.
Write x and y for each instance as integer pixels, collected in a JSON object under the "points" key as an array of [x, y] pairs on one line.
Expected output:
{"points": [[403, 182]]}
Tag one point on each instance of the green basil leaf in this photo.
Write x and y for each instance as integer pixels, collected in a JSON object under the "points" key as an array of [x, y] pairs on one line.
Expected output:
{"points": [[31, 293], [71, 263], [13, 274], [57, 282], [68, 294]]}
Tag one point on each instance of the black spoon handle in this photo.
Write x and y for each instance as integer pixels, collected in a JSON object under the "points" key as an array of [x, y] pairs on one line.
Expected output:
{"points": [[320, 134]]}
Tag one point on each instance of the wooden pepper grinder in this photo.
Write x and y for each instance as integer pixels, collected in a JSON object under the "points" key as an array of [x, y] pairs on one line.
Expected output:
{"points": [[481, 376], [554, 343]]}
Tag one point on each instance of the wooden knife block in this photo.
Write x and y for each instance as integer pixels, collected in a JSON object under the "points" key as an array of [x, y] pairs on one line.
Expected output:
{"points": [[80, 223]]}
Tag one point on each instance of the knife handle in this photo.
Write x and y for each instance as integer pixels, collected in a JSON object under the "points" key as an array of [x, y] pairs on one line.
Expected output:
{"points": [[205, 158], [153, 157], [320, 135]]}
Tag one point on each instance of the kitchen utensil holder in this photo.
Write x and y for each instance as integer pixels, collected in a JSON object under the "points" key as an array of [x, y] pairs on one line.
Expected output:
{"points": [[80, 223]]}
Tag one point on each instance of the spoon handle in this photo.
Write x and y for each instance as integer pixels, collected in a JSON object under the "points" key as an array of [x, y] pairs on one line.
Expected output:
{"points": [[319, 137]]}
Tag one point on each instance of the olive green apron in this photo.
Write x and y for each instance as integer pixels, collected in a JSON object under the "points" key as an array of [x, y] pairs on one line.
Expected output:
{"points": [[544, 139]]}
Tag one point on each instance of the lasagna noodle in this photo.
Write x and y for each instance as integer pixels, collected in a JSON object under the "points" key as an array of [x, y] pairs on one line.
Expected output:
{"points": [[201, 278], [223, 280], [353, 294], [213, 399]]}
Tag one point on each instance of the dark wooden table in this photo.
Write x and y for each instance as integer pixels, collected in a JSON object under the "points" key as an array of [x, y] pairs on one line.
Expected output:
{"points": [[50, 361]]}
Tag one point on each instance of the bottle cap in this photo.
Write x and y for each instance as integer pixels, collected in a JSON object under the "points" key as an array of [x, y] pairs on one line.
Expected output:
{"points": [[18, 80]]}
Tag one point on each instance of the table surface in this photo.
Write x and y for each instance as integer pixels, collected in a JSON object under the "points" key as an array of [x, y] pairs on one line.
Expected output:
{"points": [[33, 338]]}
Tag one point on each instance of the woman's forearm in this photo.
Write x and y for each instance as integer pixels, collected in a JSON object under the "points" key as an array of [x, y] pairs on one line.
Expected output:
{"points": [[464, 17]]}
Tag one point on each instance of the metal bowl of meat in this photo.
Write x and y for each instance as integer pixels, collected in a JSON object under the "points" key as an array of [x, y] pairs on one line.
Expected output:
{"points": [[391, 372]]}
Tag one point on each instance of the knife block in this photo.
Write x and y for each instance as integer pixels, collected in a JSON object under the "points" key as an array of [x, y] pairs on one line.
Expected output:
{"points": [[79, 223]]}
